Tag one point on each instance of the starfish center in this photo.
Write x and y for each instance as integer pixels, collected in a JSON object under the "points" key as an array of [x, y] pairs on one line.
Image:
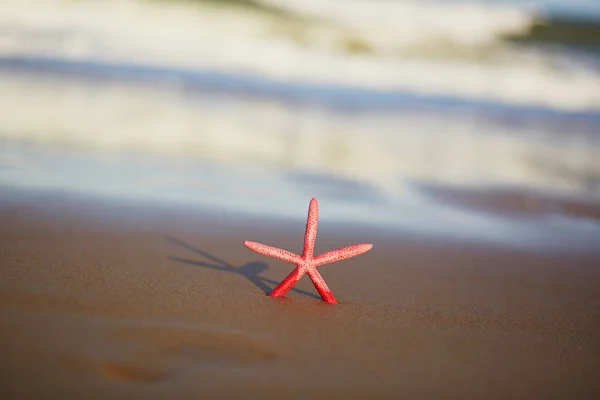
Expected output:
{"points": [[304, 265]]}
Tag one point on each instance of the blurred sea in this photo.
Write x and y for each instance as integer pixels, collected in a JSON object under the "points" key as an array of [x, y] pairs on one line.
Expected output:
{"points": [[234, 103]]}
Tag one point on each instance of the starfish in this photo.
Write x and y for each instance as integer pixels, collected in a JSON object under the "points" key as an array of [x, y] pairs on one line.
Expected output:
{"points": [[307, 263]]}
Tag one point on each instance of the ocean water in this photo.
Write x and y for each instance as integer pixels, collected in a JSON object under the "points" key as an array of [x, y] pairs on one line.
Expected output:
{"points": [[455, 49], [258, 105]]}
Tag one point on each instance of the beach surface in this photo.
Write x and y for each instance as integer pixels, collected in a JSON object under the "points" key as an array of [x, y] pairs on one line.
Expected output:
{"points": [[126, 299], [141, 142]]}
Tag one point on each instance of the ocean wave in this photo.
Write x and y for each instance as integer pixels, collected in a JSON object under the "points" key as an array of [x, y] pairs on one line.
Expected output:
{"points": [[450, 49], [378, 148], [563, 31], [393, 26]]}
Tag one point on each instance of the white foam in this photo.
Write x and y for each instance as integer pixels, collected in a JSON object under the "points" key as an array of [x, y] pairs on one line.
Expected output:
{"points": [[402, 24], [439, 48], [376, 148]]}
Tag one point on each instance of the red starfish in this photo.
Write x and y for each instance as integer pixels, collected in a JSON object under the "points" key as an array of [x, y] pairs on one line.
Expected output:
{"points": [[307, 263]]}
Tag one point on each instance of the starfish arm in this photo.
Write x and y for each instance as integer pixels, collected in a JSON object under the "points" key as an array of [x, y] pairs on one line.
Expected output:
{"points": [[287, 283], [311, 229], [274, 252], [321, 286], [341, 254]]}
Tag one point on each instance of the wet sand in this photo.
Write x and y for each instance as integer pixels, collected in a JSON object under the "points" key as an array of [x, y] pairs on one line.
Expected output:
{"points": [[122, 300]]}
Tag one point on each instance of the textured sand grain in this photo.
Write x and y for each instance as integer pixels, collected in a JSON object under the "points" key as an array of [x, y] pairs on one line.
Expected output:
{"points": [[108, 300]]}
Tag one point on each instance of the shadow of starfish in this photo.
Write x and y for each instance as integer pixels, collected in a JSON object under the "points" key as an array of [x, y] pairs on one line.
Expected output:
{"points": [[250, 270]]}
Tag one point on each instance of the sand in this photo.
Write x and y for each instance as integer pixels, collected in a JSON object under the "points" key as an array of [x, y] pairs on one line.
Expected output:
{"points": [[112, 299]]}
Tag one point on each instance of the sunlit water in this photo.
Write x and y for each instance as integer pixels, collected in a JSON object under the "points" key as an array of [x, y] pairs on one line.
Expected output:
{"points": [[260, 155]]}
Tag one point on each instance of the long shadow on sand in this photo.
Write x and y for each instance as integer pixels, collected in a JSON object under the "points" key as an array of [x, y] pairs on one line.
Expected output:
{"points": [[250, 271]]}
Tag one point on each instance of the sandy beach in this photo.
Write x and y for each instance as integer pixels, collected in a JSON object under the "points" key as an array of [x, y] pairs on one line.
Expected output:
{"points": [[123, 299], [142, 142]]}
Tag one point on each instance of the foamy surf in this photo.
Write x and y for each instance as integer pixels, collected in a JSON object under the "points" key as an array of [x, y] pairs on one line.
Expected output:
{"points": [[448, 49], [70, 78], [381, 148]]}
